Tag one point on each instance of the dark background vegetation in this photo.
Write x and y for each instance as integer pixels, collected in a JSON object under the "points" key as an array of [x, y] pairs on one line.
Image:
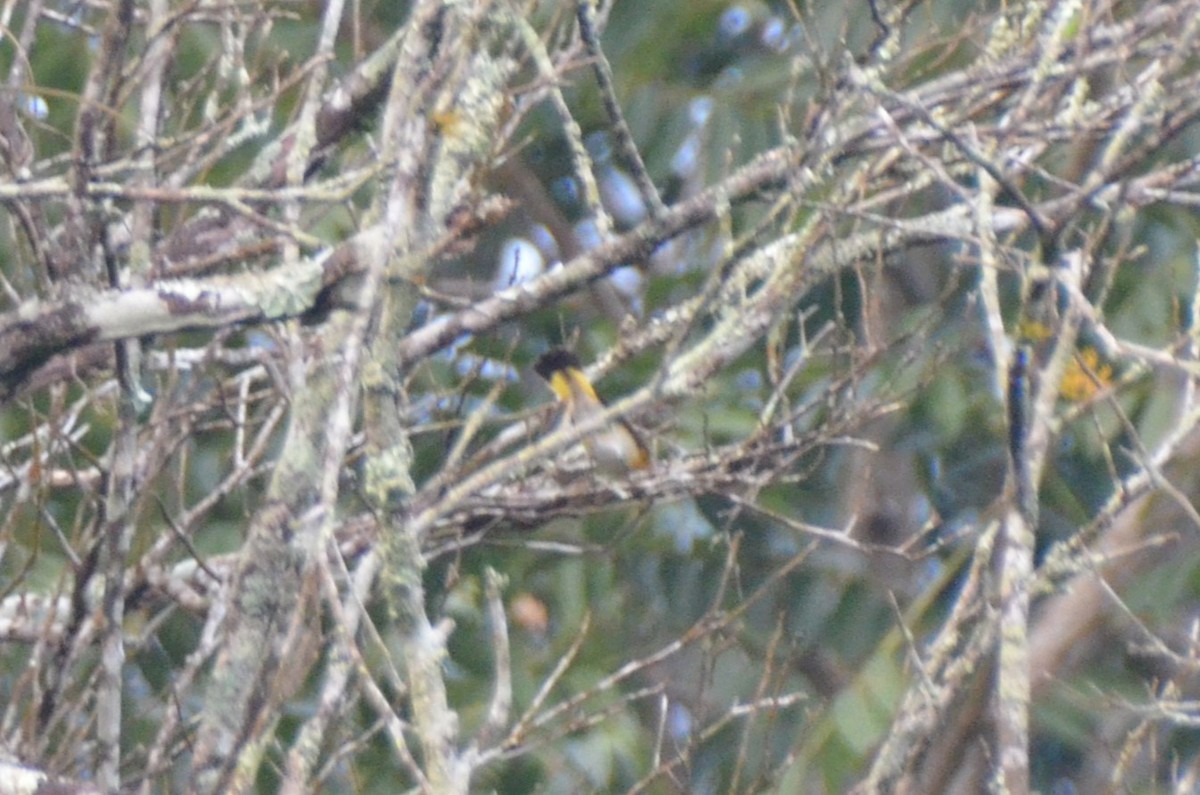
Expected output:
{"points": [[282, 504]]}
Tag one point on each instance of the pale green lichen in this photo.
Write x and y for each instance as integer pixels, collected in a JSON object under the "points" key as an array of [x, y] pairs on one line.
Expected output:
{"points": [[467, 128], [387, 473]]}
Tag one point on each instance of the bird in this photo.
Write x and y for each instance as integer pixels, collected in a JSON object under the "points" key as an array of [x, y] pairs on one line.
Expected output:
{"points": [[615, 447]]}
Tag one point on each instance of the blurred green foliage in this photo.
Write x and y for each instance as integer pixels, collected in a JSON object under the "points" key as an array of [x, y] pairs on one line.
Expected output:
{"points": [[641, 578]]}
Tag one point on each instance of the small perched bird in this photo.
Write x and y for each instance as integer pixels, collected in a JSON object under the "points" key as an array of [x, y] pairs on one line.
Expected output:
{"points": [[615, 447]]}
